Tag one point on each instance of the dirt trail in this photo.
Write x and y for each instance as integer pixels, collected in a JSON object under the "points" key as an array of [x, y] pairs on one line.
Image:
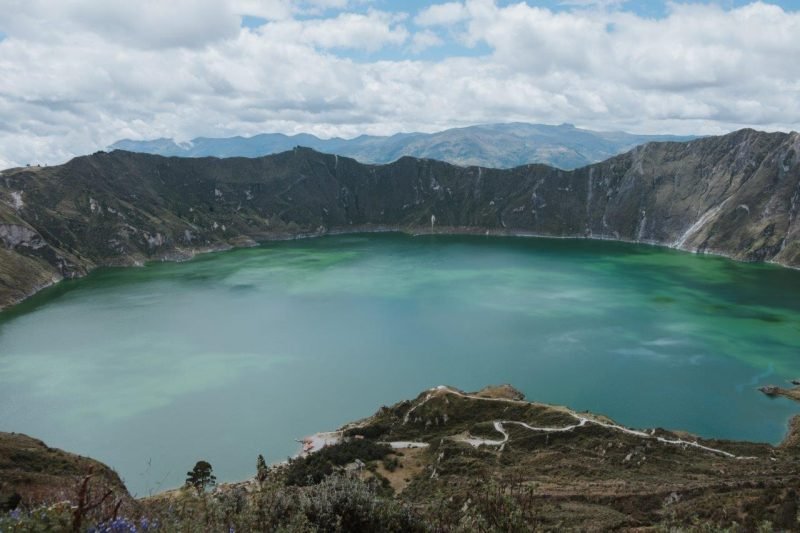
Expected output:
{"points": [[582, 421]]}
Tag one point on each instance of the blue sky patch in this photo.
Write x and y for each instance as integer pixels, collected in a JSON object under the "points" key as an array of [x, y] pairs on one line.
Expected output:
{"points": [[252, 22], [644, 8]]}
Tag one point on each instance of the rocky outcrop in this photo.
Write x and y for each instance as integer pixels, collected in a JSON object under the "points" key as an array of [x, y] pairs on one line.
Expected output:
{"points": [[774, 391], [736, 195], [13, 235]]}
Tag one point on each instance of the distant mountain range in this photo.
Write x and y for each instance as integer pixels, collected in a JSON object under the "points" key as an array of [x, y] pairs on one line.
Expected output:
{"points": [[490, 145]]}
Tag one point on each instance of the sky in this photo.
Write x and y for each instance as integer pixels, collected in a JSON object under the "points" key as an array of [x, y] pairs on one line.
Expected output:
{"points": [[78, 75]]}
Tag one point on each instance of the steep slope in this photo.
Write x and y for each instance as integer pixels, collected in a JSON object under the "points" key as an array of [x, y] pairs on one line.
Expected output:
{"points": [[32, 472], [489, 145], [736, 195]]}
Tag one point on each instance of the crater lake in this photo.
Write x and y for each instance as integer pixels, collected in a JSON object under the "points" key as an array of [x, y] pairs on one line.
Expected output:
{"points": [[239, 353]]}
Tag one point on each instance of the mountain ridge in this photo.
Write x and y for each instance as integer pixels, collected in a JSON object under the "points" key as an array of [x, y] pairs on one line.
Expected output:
{"points": [[505, 145], [736, 195]]}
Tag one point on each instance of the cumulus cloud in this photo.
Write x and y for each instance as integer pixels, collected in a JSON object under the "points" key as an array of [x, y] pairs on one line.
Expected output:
{"points": [[422, 40], [73, 81], [284, 9], [369, 32], [442, 14], [593, 3], [144, 23]]}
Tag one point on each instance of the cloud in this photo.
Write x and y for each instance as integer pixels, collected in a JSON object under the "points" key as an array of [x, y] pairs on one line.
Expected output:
{"points": [[442, 14], [284, 9], [425, 39], [265, 9], [368, 32], [73, 81], [594, 3], [141, 24]]}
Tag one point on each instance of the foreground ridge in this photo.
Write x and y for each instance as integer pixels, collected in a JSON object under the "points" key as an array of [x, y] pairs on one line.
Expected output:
{"points": [[435, 463]]}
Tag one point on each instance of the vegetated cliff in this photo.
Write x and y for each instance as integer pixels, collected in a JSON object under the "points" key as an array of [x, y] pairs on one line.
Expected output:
{"points": [[736, 195]]}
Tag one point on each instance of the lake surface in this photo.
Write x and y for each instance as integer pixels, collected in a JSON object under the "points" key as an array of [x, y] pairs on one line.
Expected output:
{"points": [[239, 353]]}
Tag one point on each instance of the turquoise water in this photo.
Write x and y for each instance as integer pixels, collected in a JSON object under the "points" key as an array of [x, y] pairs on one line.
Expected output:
{"points": [[239, 353]]}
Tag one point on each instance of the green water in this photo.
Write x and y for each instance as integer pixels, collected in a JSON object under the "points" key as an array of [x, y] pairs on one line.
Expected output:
{"points": [[238, 353]]}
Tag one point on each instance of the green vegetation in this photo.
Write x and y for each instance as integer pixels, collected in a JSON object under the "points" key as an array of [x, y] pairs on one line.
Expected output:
{"points": [[313, 468], [262, 471], [592, 477], [339, 503], [343, 503], [201, 476]]}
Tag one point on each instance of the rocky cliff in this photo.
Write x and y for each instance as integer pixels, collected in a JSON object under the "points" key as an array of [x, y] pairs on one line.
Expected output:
{"points": [[736, 195]]}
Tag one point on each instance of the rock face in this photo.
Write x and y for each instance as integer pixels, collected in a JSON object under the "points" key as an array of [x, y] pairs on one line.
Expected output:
{"points": [[736, 195]]}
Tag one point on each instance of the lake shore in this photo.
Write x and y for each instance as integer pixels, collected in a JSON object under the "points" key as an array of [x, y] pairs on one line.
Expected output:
{"points": [[182, 254]]}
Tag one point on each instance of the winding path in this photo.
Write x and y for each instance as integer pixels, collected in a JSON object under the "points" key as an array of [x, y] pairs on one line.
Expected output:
{"points": [[499, 426]]}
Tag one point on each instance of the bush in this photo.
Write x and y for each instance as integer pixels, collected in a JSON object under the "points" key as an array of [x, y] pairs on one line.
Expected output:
{"points": [[308, 470], [391, 463], [342, 503], [339, 503], [313, 468], [368, 432]]}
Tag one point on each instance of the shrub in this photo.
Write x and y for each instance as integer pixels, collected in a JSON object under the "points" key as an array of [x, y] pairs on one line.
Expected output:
{"points": [[308, 470], [391, 463], [373, 431], [342, 503], [313, 468]]}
